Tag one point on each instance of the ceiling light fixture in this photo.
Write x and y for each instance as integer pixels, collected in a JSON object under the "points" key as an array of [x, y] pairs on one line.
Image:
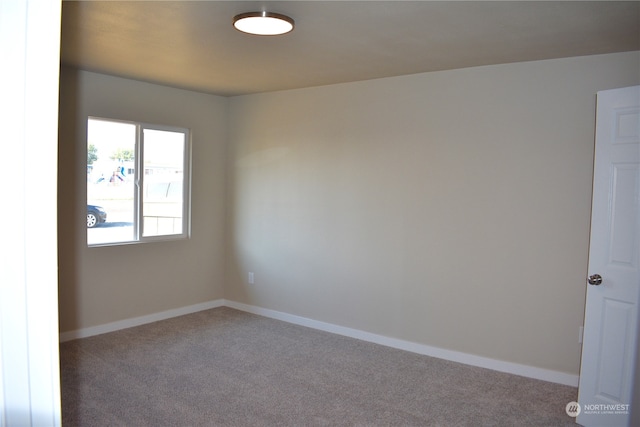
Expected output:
{"points": [[263, 23]]}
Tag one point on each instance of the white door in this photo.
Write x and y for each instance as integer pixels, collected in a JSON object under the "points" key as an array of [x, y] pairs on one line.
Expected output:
{"points": [[610, 330]]}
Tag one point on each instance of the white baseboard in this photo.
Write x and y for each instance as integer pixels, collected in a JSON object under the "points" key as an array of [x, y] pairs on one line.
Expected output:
{"points": [[454, 356], [137, 321]]}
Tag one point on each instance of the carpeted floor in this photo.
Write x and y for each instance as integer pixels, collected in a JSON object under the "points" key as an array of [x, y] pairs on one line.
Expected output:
{"points": [[224, 367]]}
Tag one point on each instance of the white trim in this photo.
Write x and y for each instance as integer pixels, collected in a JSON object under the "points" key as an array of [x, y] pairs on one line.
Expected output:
{"points": [[29, 362], [454, 356], [137, 321]]}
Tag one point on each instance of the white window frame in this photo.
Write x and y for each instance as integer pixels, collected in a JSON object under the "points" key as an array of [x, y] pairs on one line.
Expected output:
{"points": [[138, 198]]}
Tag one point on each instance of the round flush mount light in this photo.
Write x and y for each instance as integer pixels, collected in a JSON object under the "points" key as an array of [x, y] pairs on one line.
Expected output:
{"points": [[263, 23]]}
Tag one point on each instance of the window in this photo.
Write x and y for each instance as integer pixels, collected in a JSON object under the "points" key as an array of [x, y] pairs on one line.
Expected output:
{"points": [[137, 182]]}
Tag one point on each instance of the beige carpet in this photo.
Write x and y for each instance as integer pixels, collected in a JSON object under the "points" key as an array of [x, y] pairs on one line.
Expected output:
{"points": [[223, 367]]}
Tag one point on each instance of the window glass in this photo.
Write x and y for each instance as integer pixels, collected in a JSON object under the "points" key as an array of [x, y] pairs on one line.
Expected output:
{"points": [[164, 171], [111, 148]]}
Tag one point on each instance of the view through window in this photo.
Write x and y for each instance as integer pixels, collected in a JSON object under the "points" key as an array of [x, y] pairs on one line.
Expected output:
{"points": [[137, 182]]}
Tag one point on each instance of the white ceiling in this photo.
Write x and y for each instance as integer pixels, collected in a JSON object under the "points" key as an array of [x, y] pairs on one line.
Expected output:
{"points": [[193, 45]]}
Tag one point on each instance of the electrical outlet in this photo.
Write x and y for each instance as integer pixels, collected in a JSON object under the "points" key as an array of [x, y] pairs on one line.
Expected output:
{"points": [[250, 278]]}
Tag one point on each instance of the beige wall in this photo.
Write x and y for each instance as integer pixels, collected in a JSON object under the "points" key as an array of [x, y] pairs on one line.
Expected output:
{"points": [[449, 208], [105, 284]]}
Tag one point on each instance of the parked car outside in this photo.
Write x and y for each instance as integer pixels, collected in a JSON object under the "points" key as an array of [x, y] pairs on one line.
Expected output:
{"points": [[96, 215]]}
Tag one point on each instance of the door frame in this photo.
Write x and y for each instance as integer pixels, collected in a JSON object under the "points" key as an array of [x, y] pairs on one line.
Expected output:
{"points": [[29, 345]]}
